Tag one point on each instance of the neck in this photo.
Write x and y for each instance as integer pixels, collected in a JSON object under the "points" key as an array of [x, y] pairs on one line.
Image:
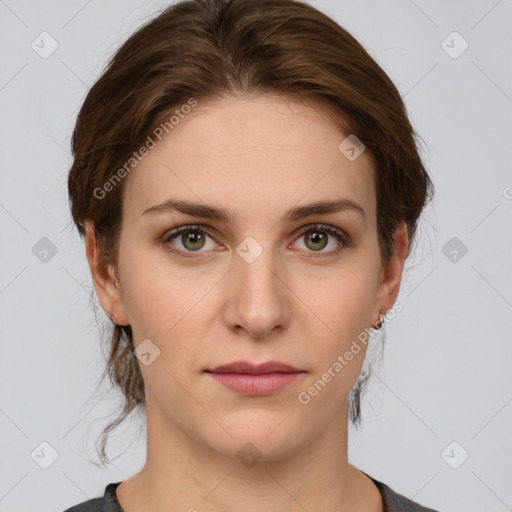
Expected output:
{"points": [[191, 475]]}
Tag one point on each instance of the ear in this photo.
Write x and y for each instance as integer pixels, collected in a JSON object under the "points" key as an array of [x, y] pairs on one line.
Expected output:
{"points": [[109, 293], [391, 275]]}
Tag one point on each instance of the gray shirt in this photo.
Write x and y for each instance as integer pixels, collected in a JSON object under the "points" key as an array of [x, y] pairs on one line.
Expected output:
{"points": [[393, 502]]}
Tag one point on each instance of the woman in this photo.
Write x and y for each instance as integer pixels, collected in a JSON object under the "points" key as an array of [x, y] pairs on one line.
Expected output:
{"points": [[248, 185]]}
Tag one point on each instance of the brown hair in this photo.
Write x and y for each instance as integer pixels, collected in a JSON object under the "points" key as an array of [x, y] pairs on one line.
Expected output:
{"points": [[205, 49]]}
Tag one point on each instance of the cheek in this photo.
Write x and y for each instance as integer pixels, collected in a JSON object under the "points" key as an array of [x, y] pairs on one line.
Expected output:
{"points": [[344, 302], [161, 310], [169, 306], [154, 301], [343, 311]]}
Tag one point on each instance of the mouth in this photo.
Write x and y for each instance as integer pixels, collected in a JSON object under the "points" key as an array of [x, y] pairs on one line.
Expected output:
{"points": [[255, 379]]}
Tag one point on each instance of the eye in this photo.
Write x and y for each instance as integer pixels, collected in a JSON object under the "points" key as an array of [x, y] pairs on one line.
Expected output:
{"points": [[318, 236], [192, 239]]}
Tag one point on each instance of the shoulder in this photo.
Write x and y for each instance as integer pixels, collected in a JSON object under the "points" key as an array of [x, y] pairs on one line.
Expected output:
{"points": [[106, 503], [394, 502]]}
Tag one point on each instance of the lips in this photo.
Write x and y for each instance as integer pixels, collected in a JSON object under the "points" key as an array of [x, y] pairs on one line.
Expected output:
{"points": [[255, 369], [255, 380]]}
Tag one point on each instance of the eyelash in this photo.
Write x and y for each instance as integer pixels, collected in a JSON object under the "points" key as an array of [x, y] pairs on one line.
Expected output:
{"points": [[193, 228]]}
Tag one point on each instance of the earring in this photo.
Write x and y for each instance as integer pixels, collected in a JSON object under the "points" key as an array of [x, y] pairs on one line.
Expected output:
{"points": [[113, 318], [381, 321]]}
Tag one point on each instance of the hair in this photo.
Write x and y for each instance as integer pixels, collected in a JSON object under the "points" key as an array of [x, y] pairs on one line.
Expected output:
{"points": [[210, 49]]}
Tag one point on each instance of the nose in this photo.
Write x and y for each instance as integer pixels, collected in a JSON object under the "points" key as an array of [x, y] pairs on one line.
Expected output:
{"points": [[257, 297]]}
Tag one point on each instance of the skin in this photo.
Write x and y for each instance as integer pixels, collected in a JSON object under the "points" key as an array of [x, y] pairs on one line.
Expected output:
{"points": [[256, 156]]}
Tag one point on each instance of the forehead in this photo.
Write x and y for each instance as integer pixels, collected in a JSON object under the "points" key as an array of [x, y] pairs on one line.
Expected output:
{"points": [[254, 154]]}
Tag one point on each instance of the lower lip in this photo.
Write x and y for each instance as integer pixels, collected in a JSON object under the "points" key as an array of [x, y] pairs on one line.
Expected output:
{"points": [[255, 385]]}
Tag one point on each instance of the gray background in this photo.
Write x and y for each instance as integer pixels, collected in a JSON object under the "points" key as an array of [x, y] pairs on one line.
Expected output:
{"points": [[446, 370]]}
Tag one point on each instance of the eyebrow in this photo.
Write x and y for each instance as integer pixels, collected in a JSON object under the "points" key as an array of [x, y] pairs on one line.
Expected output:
{"points": [[228, 217]]}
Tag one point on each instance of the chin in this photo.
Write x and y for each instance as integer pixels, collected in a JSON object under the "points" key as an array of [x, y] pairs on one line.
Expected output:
{"points": [[258, 437]]}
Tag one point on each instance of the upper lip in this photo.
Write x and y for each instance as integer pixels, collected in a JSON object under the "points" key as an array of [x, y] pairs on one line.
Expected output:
{"points": [[248, 367]]}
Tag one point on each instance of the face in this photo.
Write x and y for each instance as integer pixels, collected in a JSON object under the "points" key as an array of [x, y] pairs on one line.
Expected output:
{"points": [[262, 284]]}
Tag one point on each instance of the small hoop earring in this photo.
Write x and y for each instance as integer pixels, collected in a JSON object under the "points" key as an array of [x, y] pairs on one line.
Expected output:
{"points": [[381, 321]]}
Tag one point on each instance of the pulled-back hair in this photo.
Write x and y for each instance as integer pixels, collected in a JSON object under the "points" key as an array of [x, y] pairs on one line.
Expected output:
{"points": [[207, 49]]}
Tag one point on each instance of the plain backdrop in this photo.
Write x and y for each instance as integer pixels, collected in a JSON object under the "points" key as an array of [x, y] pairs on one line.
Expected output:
{"points": [[436, 422]]}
